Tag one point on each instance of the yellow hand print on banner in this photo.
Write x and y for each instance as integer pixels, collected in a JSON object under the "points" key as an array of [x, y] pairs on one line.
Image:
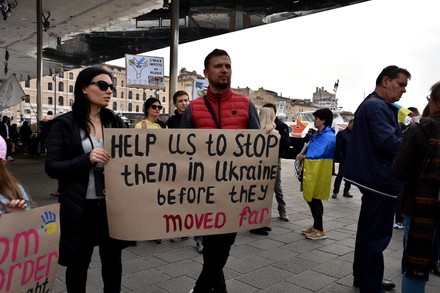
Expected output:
{"points": [[50, 222]]}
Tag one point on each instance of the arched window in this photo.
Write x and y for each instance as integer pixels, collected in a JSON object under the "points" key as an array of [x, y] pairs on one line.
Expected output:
{"points": [[61, 86], [122, 83], [115, 94], [50, 101], [70, 102], [70, 75], [137, 108], [130, 107], [122, 95], [115, 106], [115, 81], [70, 88], [137, 97], [49, 86], [61, 101], [144, 96], [130, 94]]}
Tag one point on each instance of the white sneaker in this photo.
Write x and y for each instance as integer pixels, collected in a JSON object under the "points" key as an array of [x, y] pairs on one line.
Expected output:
{"points": [[399, 226]]}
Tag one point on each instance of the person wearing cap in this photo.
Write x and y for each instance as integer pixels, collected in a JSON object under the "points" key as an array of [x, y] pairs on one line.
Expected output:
{"points": [[13, 197]]}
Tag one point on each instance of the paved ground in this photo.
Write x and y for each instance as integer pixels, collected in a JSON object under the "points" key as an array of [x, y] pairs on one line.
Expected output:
{"points": [[284, 261]]}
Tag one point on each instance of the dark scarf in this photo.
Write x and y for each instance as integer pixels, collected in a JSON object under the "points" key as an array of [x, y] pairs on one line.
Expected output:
{"points": [[417, 259]]}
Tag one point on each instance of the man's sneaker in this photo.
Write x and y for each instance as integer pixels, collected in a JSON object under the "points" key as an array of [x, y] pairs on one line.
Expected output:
{"points": [[308, 230], [316, 235], [347, 194], [284, 217], [399, 226], [9, 158], [334, 195]]}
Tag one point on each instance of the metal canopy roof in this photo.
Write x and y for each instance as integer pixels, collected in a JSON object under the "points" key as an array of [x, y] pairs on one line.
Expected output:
{"points": [[84, 32]]}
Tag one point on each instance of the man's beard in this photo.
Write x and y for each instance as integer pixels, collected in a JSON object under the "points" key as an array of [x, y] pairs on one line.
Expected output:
{"points": [[222, 85]]}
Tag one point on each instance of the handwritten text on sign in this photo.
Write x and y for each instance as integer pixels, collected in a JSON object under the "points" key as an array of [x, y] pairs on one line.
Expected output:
{"points": [[163, 183], [29, 250]]}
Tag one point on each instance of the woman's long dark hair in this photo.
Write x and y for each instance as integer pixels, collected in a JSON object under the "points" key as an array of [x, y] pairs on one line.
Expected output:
{"points": [[81, 105], [147, 105]]}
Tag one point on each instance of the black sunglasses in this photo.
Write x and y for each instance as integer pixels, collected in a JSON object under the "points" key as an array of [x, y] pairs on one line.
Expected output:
{"points": [[154, 107], [103, 85]]}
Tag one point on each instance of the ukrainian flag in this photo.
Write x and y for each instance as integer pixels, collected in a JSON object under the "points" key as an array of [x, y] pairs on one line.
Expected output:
{"points": [[403, 114], [318, 165]]}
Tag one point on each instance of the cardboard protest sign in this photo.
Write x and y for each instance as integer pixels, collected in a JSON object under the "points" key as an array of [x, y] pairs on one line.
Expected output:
{"points": [[163, 183], [29, 250]]}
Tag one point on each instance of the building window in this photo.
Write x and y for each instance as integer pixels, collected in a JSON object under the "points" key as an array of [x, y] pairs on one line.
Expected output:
{"points": [[70, 88], [115, 94], [61, 74], [122, 95], [137, 108], [49, 101], [122, 83], [130, 95], [163, 99], [61, 101], [144, 96], [115, 106], [49, 86], [137, 97], [130, 107], [27, 82], [61, 86], [27, 99], [70, 75], [115, 81], [70, 102]]}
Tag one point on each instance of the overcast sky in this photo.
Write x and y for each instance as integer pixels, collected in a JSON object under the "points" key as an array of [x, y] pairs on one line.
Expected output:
{"points": [[352, 44]]}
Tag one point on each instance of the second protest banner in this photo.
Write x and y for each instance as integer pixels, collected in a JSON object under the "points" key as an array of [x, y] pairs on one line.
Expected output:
{"points": [[163, 183]]}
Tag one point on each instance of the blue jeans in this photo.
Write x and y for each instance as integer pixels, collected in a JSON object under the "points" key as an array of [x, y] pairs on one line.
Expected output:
{"points": [[279, 190], [410, 285]]}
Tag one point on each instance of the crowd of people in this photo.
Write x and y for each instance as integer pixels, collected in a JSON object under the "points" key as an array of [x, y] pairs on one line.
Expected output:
{"points": [[396, 168]]}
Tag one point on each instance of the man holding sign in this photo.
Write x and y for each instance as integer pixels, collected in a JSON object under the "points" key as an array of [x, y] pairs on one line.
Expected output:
{"points": [[221, 108]]}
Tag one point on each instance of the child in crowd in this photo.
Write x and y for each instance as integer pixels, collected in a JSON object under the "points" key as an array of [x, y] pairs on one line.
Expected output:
{"points": [[13, 197]]}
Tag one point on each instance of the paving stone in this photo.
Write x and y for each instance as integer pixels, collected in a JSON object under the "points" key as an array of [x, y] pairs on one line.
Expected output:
{"points": [[312, 280], [264, 277], [247, 264]]}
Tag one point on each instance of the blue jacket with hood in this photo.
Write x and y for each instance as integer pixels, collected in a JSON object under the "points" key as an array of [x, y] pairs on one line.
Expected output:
{"points": [[375, 140]]}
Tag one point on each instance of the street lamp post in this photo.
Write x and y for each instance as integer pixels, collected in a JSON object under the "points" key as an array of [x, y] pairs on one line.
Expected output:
{"points": [[54, 77]]}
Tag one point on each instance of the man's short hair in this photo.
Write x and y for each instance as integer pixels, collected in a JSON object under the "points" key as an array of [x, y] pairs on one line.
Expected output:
{"points": [[392, 72], [270, 105], [435, 91], [414, 111], [178, 94], [215, 53], [326, 115]]}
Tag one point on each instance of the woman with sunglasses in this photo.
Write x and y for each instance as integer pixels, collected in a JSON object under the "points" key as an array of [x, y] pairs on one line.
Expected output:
{"points": [[152, 108], [75, 156]]}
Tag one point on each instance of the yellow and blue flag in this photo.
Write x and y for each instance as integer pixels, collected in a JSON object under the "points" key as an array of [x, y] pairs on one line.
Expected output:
{"points": [[402, 114], [318, 165]]}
